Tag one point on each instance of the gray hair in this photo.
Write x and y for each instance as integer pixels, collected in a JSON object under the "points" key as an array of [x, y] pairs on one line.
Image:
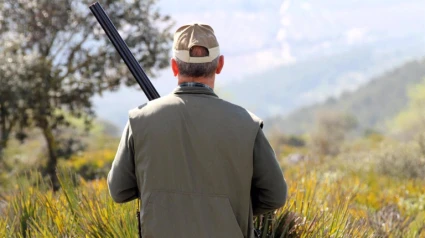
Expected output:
{"points": [[196, 70]]}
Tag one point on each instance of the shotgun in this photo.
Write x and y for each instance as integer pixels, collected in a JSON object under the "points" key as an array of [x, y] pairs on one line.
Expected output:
{"points": [[131, 62]]}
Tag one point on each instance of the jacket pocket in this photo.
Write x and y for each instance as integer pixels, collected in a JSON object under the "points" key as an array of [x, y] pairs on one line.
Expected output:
{"points": [[178, 214]]}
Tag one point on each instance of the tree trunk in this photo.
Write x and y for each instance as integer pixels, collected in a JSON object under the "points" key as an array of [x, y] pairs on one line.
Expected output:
{"points": [[53, 160], [4, 136], [3, 144]]}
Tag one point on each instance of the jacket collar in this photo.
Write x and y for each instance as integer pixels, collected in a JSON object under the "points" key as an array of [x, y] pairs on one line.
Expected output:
{"points": [[194, 90]]}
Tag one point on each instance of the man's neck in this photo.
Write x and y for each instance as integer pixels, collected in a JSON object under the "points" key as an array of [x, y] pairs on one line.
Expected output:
{"points": [[203, 80]]}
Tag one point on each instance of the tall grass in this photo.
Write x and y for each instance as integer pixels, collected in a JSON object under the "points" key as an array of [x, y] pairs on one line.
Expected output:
{"points": [[79, 209], [319, 207], [331, 202]]}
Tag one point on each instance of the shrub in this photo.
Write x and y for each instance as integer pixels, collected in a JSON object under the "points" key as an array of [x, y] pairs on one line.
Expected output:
{"points": [[331, 129], [91, 164], [402, 161]]}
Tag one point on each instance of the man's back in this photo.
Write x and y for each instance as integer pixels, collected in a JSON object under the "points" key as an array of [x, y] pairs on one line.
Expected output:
{"points": [[201, 166], [194, 159]]}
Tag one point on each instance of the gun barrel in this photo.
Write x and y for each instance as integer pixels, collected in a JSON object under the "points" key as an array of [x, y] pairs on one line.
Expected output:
{"points": [[123, 50]]}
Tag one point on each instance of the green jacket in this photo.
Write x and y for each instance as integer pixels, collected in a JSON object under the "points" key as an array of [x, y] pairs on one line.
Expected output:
{"points": [[201, 166]]}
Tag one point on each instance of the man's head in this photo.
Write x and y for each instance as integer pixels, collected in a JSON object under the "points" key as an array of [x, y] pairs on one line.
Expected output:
{"points": [[196, 53]]}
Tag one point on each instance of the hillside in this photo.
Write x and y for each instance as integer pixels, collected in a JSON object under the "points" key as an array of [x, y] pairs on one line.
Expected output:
{"points": [[372, 104], [283, 89]]}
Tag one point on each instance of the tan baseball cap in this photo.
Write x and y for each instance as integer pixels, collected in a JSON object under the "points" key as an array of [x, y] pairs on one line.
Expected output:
{"points": [[195, 34]]}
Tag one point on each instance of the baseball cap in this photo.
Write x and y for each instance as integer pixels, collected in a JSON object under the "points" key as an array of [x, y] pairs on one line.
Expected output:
{"points": [[195, 34]]}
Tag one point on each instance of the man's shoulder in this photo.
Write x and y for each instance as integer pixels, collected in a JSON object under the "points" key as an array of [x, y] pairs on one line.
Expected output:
{"points": [[151, 105], [239, 109]]}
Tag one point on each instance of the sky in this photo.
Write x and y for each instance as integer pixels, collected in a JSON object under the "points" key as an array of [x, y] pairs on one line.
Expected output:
{"points": [[258, 35]]}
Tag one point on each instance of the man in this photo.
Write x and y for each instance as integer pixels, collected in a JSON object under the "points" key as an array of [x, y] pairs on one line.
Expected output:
{"points": [[201, 166]]}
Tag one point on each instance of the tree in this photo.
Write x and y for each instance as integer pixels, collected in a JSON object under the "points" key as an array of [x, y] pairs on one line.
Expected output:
{"points": [[12, 95], [57, 58]]}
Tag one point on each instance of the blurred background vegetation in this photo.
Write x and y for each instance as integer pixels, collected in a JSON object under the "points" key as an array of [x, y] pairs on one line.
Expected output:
{"points": [[354, 162]]}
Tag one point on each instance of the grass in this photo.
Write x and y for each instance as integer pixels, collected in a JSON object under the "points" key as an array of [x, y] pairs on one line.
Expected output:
{"points": [[79, 209], [337, 197]]}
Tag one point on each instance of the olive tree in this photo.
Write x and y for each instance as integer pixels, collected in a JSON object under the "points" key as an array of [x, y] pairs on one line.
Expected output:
{"points": [[55, 58]]}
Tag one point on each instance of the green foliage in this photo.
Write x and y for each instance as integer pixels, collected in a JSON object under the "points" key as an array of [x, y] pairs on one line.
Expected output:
{"points": [[54, 58], [411, 121]]}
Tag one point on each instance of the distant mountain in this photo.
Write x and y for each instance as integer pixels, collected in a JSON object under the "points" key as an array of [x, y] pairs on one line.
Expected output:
{"points": [[281, 90], [372, 104]]}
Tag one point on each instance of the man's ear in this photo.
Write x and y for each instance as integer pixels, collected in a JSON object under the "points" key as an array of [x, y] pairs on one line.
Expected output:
{"points": [[174, 67], [220, 64]]}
